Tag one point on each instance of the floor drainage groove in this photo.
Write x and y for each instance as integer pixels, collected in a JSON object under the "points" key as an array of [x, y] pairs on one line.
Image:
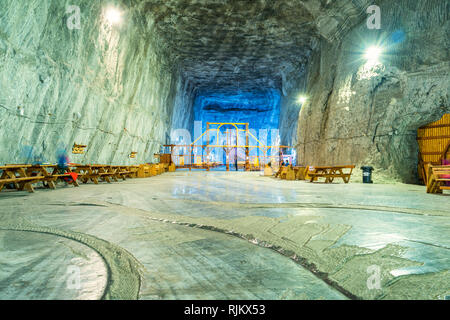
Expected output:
{"points": [[286, 253], [124, 271]]}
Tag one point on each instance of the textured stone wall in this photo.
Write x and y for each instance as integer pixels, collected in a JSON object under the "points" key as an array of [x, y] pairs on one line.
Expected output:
{"points": [[293, 86], [110, 87], [368, 114]]}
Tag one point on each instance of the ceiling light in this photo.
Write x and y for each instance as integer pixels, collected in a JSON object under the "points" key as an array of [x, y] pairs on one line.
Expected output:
{"points": [[113, 15], [301, 99], [373, 54]]}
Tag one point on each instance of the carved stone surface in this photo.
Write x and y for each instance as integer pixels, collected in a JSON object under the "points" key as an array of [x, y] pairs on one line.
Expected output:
{"points": [[122, 88], [368, 114]]}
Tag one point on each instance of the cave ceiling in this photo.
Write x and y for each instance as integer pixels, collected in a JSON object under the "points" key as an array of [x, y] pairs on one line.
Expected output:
{"points": [[226, 45]]}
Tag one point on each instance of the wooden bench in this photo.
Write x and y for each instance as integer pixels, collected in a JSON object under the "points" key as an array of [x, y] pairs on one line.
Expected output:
{"points": [[95, 172], [145, 171], [281, 173], [300, 173], [123, 172], [278, 173], [105, 172], [290, 173], [133, 171], [330, 173], [159, 169], [150, 170], [52, 174], [438, 178], [17, 176]]}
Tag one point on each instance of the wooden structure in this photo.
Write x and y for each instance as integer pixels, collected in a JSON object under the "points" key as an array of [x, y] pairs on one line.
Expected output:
{"points": [[233, 142], [434, 145], [291, 173], [438, 179], [17, 176], [124, 172], [95, 172], [151, 170], [22, 177], [52, 174], [330, 173], [300, 173], [165, 158]]}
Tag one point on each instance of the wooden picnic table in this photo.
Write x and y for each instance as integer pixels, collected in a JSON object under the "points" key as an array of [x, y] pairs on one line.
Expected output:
{"points": [[330, 173], [300, 173], [52, 173], [17, 176], [23, 176], [95, 172], [124, 172], [291, 173], [438, 179]]}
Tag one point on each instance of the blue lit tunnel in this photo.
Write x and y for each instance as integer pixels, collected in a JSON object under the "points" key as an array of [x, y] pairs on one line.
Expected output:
{"points": [[260, 109]]}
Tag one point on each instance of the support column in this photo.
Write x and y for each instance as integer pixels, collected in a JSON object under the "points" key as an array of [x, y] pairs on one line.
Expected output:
{"points": [[207, 148], [247, 149]]}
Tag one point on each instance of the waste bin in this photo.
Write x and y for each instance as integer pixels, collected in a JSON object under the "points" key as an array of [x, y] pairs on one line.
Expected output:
{"points": [[367, 174]]}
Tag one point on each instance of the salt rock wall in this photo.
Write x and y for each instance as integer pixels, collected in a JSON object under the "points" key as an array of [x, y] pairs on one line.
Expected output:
{"points": [[368, 113], [108, 87], [293, 86]]}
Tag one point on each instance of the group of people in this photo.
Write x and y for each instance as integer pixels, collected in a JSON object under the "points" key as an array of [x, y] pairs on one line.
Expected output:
{"points": [[285, 164]]}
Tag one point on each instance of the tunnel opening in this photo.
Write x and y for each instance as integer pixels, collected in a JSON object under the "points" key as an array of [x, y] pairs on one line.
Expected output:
{"points": [[238, 129], [259, 108]]}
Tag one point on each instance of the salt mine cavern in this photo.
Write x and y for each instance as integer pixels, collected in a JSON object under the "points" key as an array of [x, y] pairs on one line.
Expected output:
{"points": [[224, 150]]}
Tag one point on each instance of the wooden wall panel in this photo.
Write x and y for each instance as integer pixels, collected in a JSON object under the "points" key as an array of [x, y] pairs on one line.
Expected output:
{"points": [[434, 140]]}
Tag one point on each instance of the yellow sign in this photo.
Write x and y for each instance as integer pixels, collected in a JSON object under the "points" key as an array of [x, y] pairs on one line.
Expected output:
{"points": [[78, 149]]}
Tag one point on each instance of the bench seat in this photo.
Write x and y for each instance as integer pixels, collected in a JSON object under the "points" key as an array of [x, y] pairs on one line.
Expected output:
{"points": [[21, 183], [438, 177], [330, 173]]}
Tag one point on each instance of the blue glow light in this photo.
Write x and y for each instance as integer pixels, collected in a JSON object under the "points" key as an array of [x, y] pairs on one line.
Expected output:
{"points": [[261, 109], [398, 36]]}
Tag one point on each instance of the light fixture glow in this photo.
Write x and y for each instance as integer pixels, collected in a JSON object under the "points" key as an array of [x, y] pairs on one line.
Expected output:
{"points": [[113, 15], [373, 54], [302, 99]]}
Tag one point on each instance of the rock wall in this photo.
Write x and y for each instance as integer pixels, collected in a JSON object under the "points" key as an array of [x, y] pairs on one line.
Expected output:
{"points": [[368, 113], [110, 87], [293, 86]]}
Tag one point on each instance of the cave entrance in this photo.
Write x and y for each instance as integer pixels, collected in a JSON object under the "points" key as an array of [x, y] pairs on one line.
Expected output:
{"points": [[434, 145]]}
